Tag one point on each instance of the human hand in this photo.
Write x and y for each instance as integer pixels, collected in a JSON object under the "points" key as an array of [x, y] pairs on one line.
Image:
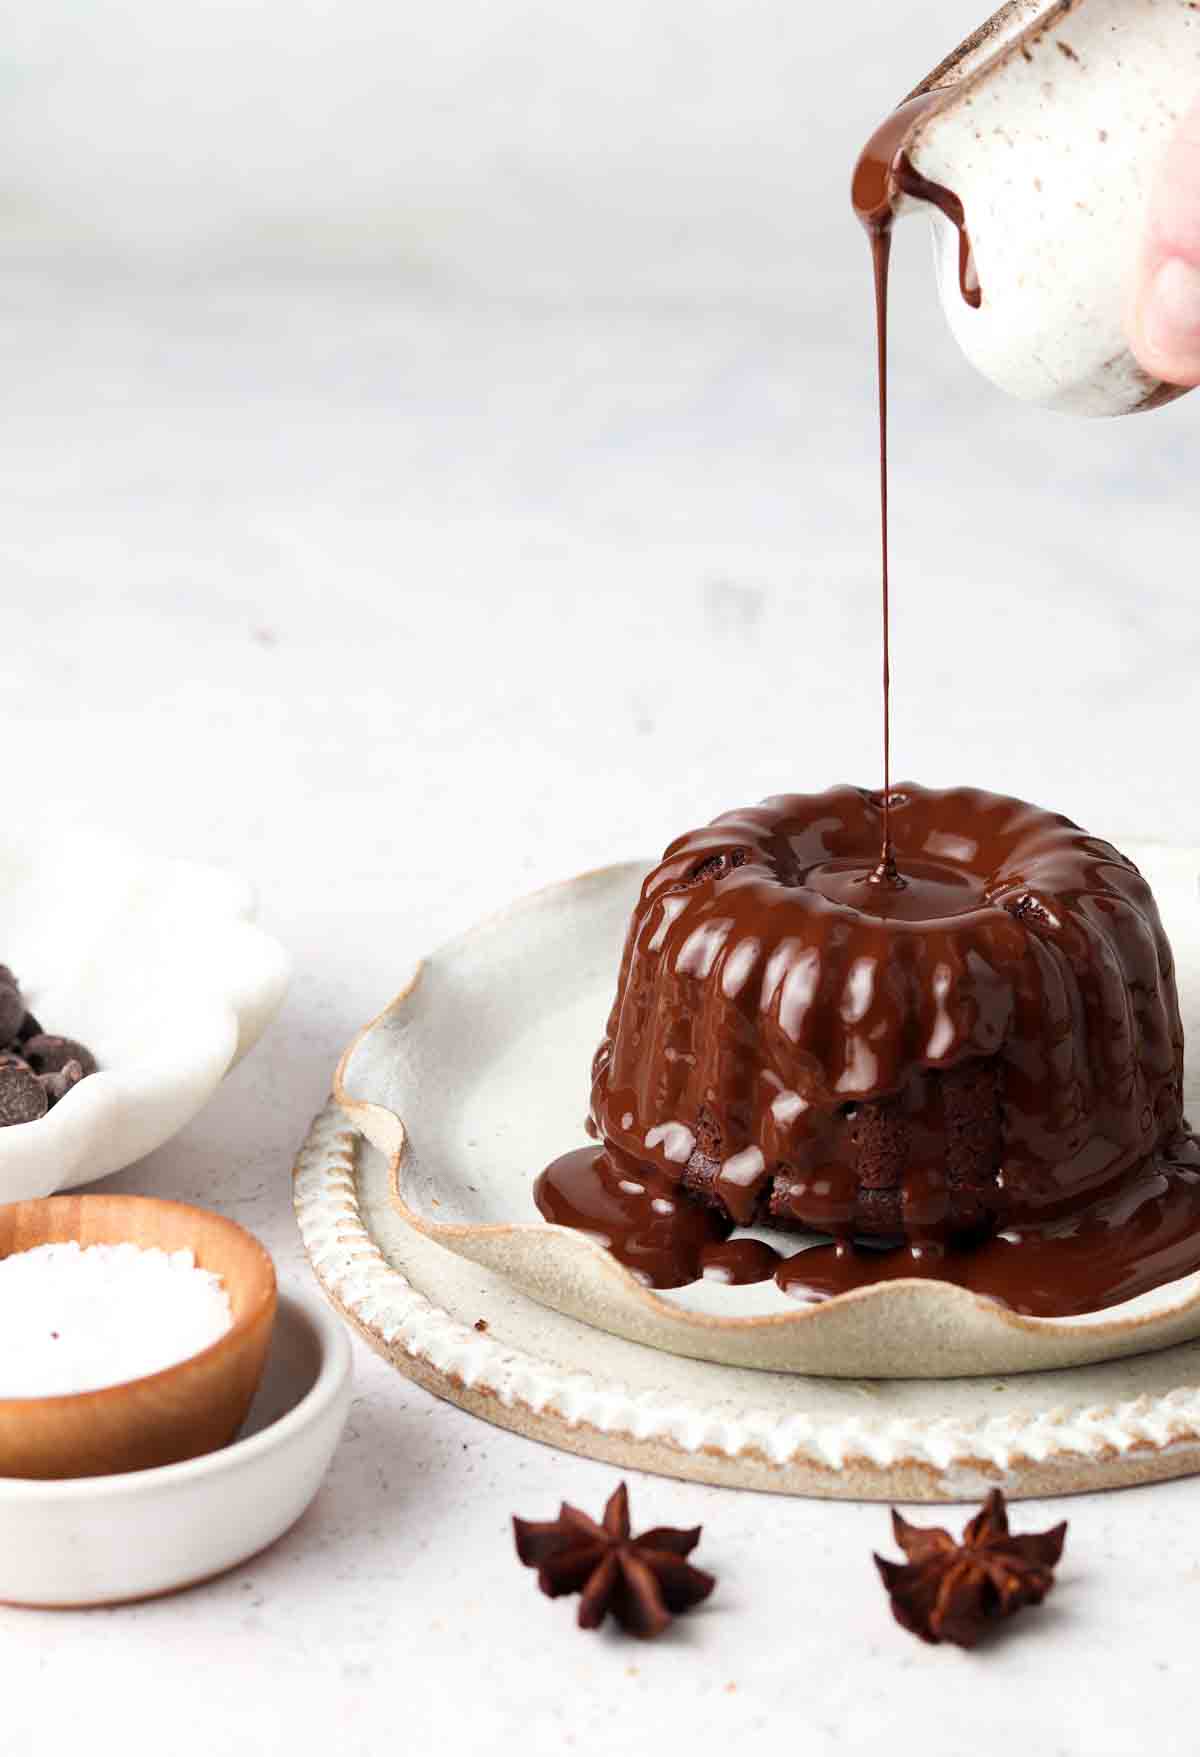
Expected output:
{"points": [[1164, 318]]}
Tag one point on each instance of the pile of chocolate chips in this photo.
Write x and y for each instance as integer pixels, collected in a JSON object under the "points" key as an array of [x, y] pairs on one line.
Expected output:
{"points": [[36, 1068]]}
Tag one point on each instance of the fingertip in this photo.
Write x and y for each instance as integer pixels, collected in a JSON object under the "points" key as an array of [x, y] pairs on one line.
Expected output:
{"points": [[1165, 326], [1164, 320]]}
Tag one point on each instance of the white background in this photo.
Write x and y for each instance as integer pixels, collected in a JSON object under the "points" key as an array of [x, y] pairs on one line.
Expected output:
{"points": [[435, 458]]}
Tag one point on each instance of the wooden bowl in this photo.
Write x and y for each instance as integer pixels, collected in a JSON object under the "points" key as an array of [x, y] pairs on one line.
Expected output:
{"points": [[193, 1407]]}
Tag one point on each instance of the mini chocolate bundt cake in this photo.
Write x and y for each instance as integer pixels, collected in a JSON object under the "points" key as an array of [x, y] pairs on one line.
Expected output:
{"points": [[995, 1038]]}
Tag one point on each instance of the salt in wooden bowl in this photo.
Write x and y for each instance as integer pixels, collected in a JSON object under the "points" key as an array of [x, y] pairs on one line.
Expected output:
{"points": [[181, 1412]]}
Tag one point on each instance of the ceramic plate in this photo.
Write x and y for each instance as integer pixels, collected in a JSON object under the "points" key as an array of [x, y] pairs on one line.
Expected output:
{"points": [[468, 1335], [477, 1075], [156, 965]]}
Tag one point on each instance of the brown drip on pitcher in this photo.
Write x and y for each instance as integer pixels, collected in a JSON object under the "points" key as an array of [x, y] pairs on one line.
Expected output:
{"points": [[884, 172], [910, 182]]}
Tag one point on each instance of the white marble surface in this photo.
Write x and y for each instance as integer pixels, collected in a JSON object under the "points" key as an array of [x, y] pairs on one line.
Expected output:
{"points": [[406, 610], [411, 562]]}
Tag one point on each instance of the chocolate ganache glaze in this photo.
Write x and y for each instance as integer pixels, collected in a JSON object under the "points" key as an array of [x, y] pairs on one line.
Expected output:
{"points": [[975, 1076], [938, 1028]]}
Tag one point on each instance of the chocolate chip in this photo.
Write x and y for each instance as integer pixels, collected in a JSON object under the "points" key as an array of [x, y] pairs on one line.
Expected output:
{"points": [[12, 1009], [22, 1099], [29, 1028], [57, 1085], [48, 1054]]}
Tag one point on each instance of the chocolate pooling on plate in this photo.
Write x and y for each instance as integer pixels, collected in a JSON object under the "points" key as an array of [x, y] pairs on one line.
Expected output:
{"points": [[975, 1077]]}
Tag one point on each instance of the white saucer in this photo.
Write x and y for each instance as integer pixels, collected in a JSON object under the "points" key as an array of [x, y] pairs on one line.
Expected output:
{"points": [[477, 1076], [108, 1539]]}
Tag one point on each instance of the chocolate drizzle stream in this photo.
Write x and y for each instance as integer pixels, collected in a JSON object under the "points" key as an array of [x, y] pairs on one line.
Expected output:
{"points": [[883, 173], [937, 1029], [886, 873]]}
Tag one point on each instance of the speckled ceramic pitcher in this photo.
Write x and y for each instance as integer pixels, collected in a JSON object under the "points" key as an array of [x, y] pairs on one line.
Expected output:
{"points": [[1060, 115]]}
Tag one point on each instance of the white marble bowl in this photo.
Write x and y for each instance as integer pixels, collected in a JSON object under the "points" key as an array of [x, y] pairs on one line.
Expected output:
{"points": [[109, 1539], [477, 1076], [153, 963]]}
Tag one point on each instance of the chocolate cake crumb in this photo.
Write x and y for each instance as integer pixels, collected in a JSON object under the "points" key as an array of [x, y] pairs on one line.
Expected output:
{"points": [[715, 867]]}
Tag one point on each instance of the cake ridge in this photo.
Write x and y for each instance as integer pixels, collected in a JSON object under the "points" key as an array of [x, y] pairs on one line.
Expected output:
{"points": [[761, 990]]}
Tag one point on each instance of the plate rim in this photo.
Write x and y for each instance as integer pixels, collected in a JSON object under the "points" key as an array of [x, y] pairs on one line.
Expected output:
{"points": [[386, 1129]]}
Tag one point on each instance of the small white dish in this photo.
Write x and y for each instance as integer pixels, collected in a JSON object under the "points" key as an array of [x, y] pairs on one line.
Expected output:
{"points": [[152, 962], [477, 1076], [110, 1539]]}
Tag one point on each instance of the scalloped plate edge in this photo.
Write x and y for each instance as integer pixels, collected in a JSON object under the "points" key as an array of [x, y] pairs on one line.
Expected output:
{"points": [[900, 1329]]}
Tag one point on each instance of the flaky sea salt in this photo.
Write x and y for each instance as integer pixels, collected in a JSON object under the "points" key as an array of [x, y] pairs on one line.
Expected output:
{"points": [[75, 1319]]}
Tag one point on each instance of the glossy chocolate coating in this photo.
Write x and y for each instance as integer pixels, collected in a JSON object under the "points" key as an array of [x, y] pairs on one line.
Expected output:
{"points": [[644, 1218], [769, 990], [1117, 1246], [1113, 1249], [944, 1022], [769, 985]]}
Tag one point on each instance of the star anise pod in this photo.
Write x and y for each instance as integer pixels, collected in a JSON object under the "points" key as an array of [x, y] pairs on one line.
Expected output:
{"points": [[949, 1591], [643, 1581]]}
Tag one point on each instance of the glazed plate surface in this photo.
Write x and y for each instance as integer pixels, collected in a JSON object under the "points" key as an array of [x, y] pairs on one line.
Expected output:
{"points": [[476, 1077]]}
